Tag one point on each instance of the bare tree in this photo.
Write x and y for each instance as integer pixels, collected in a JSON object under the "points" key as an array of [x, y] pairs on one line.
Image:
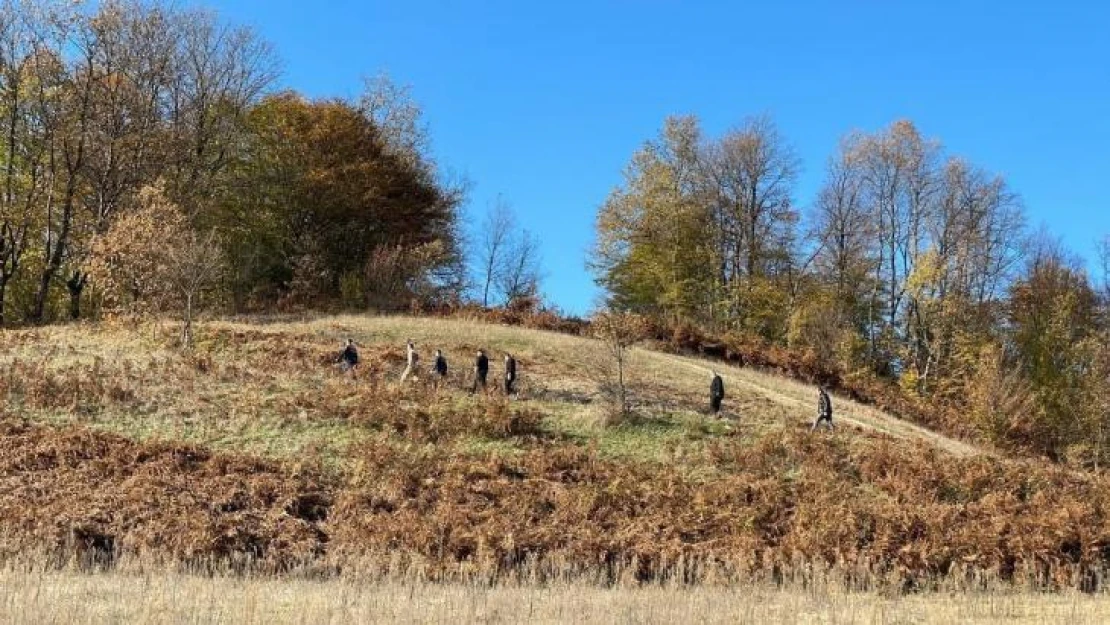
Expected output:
{"points": [[494, 245], [843, 229], [1104, 266], [397, 116], [748, 177], [520, 276], [193, 264], [219, 72], [619, 332]]}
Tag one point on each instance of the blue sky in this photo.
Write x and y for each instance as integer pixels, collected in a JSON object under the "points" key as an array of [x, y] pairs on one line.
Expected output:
{"points": [[545, 102]]}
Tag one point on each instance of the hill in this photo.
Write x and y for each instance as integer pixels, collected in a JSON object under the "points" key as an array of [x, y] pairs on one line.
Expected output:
{"points": [[254, 452]]}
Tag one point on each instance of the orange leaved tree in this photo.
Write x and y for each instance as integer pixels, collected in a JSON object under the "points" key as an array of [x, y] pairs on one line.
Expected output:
{"points": [[152, 259]]}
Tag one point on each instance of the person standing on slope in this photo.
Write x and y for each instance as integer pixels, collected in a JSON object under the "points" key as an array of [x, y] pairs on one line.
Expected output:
{"points": [[716, 393], [412, 360], [510, 373], [439, 368], [348, 358], [481, 370], [440, 365], [824, 409]]}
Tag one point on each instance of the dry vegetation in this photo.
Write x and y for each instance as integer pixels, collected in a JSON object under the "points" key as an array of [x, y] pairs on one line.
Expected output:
{"points": [[35, 597], [253, 454]]}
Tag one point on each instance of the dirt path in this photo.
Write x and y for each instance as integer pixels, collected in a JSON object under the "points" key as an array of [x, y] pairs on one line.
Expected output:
{"points": [[802, 398], [564, 355]]}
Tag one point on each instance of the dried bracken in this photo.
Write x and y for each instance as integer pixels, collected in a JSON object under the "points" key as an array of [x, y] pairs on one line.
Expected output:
{"points": [[450, 486]]}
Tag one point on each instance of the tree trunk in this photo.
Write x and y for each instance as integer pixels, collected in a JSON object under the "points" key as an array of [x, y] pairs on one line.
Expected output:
{"points": [[187, 330], [54, 263], [620, 381], [74, 165]]}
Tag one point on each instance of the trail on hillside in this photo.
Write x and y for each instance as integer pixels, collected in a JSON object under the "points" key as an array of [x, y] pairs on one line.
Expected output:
{"points": [[802, 398], [797, 399]]}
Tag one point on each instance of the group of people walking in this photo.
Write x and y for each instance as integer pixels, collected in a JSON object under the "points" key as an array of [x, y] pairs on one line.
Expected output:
{"points": [[824, 403], [349, 359]]}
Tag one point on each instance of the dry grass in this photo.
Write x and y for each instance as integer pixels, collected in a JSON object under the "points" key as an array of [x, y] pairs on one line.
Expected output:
{"points": [[34, 598], [255, 450], [257, 387]]}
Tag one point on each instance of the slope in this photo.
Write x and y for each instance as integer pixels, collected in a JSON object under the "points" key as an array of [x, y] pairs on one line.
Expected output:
{"points": [[254, 450]]}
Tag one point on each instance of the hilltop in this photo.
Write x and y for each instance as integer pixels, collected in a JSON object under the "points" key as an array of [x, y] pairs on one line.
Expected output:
{"points": [[253, 451]]}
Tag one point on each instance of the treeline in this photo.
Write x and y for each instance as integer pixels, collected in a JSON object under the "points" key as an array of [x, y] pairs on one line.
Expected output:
{"points": [[911, 265], [135, 107]]}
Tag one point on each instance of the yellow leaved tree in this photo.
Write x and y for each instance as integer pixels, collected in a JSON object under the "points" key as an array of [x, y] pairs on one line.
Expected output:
{"points": [[152, 260]]}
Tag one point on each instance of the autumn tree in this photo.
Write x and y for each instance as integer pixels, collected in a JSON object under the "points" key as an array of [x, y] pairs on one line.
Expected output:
{"points": [[1052, 315], [151, 259], [619, 332], [749, 175], [653, 252], [319, 189], [97, 103], [29, 77]]}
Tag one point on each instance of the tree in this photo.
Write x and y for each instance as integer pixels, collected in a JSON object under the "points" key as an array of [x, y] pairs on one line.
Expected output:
{"points": [[396, 276], [128, 262], [193, 263], [151, 259], [397, 115], [843, 231], [520, 276], [493, 252], [703, 228], [750, 173], [317, 188], [221, 72], [619, 332], [508, 259], [30, 77], [1104, 273], [124, 95], [1051, 319], [652, 252]]}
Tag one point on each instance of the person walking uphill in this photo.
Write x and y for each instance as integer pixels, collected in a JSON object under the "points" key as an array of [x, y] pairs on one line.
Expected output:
{"points": [[413, 360], [440, 366], [510, 373], [348, 358], [481, 370], [824, 409], [439, 370], [716, 393]]}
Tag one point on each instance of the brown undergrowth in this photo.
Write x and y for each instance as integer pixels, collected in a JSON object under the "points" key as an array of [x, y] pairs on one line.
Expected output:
{"points": [[102, 462], [890, 515]]}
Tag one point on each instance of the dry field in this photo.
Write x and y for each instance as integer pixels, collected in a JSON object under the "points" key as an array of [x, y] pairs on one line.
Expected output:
{"points": [[38, 598], [306, 491], [263, 377]]}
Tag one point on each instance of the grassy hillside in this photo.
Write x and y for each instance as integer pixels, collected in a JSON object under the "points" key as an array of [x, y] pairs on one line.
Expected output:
{"points": [[254, 451]]}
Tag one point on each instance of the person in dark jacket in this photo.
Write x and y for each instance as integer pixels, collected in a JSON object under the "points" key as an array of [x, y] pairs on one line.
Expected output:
{"points": [[510, 373], [716, 393], [481, 370], [440, 365], [824, 409], [348, 358]]}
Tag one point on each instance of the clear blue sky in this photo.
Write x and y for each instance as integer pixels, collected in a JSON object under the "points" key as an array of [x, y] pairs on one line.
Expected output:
{"points": [[545, 102]]}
